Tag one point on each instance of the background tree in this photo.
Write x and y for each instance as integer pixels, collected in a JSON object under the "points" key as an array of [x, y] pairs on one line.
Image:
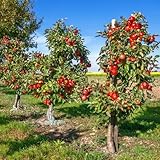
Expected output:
{"points": [[57, 77], [14, 68], [17, 27], [18, 20], [127, 62]]}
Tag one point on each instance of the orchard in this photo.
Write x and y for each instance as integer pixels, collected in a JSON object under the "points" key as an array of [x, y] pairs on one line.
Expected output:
{"points": [[60, 76]]}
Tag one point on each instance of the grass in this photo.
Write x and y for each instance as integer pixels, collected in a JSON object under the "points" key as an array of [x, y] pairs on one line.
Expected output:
{"points": [[80, 138]]}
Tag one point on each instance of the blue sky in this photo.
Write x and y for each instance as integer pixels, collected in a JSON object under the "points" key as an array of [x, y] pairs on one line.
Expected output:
{"points": [[90, 16]]}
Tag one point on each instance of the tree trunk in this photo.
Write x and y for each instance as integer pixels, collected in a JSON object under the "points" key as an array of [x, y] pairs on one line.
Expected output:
{"points": [[116, 137], [112, 137], [16, 105], [51, 119], [50, 116], [110, 140]]}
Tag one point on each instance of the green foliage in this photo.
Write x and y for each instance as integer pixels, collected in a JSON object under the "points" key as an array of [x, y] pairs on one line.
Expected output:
{"points": [[14, 67], [17, 26], [18, 20], [62, 72], [127, 63]]}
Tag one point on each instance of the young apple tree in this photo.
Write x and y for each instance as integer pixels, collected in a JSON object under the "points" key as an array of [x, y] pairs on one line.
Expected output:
{"points": [[17, 28], [14, 67], [57, 77], [126, 60]]}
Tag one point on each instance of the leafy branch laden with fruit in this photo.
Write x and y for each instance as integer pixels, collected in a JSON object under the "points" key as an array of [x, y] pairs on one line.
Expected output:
{"points": [[58, 77], [127, 62], [13, 67]]}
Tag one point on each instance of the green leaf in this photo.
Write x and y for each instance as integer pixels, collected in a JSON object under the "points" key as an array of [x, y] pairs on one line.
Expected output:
{"points": [[157, 56]]}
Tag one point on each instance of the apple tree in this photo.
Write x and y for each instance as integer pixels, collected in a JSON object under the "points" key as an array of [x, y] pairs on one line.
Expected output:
{"points": [[14, 67], [58, 76], [18, 20], [127, 62], [17, 27]]}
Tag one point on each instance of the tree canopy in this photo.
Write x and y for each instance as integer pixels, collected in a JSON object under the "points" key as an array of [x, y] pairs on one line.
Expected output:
{"points": [[18, 20]]}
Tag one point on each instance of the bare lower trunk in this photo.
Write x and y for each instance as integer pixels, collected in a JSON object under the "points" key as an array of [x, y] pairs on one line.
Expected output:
{"points": [[51, 119], [110, 140], [50, 116], [112, 137], [116, 137], [16, 105]]}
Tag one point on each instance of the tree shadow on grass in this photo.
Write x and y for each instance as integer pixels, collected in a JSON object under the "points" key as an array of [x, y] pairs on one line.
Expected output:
{"points": [[26, 117], [36, 139], [41, 105], [4, 120], [149, 119], [6, 90], [69, 135], [18, 145], [81, 110], [9, 118]]}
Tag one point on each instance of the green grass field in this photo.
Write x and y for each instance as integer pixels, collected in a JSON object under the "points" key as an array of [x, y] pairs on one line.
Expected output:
{"points": [[82, 137]]}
